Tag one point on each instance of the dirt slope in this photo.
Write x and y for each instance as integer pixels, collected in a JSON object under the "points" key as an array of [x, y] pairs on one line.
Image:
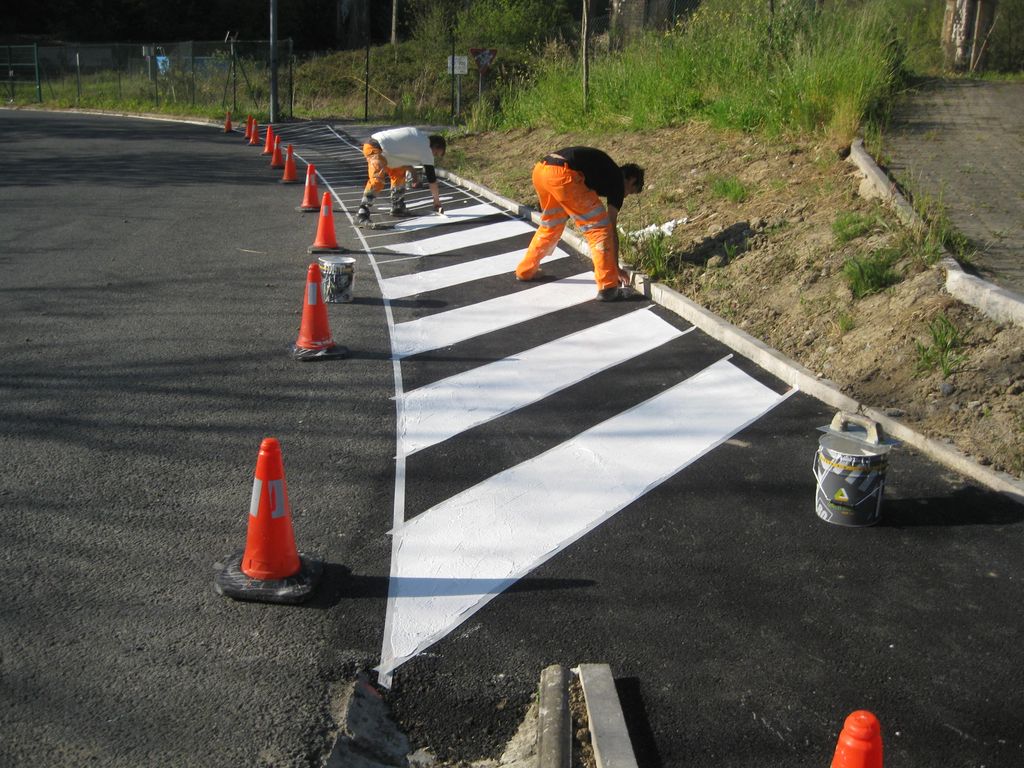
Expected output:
{"points": [[756, 243]]}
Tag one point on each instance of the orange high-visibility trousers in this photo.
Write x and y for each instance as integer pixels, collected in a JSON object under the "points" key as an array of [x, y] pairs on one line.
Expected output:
{"points": [[378, 172], [562, 194]]}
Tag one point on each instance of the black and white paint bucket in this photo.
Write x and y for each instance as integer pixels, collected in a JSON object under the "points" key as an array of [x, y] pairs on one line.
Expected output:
{"points": [[337, 278], [850, 466]]}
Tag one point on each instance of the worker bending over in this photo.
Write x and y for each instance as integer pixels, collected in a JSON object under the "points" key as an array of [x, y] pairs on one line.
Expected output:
{"points": [[389, 154], [569, 183]]}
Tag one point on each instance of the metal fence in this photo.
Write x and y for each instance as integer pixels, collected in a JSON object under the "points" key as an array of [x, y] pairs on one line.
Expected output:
{"points": [[229, 75]]}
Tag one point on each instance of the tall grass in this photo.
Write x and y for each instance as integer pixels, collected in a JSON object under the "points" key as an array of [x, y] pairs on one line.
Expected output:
{"points": [[734, 64]]}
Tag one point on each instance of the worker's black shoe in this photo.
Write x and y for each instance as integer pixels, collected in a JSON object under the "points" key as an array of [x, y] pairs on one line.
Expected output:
{"points": [[613, 293], [363, 216]]}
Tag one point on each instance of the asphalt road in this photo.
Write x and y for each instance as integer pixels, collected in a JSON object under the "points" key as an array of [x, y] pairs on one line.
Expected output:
{"points": [[152, 286]]}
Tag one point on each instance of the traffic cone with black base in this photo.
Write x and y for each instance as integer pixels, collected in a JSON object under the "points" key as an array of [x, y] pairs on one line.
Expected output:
{"points": [[860, 743], [289, 176], [326, 240], [270, 569], [310, 196], [315, 341]]}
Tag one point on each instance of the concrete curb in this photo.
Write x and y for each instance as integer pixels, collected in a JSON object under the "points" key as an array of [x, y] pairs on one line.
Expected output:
{"points": [[554, 726], [1000, 304], [608, 734], [788, 370]]}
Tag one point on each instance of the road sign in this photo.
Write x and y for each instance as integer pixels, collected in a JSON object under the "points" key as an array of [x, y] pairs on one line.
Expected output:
{"points": [[484, 57], [461, 65]]}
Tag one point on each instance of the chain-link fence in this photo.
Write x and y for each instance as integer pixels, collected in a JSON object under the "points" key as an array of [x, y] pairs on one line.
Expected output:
{"points": [[231, 75]]}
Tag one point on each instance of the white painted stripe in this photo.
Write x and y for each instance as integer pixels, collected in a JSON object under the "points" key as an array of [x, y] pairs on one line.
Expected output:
{"points": [[446, 328], [457, 274], [457, 216], [472, 236], [457, 556], [445, 408]]}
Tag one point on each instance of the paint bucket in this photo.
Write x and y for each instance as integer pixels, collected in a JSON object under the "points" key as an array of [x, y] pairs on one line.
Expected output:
{"points": [[337, 274], [850, 466]]}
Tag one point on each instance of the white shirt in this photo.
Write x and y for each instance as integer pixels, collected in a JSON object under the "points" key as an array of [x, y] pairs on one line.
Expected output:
{"points": [[405, 146]]}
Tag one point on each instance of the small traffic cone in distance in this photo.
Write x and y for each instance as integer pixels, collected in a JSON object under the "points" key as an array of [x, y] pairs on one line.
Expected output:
{"points": [[289, 177], [860, 742], [315, 341], [310, 196], [270, 568], [268, 147], [326, 241], [254, 140], [227, 123], [276, 161]]}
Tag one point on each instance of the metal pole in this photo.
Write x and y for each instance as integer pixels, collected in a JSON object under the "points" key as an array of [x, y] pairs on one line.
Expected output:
{"points": [[452, 60], [273, 61], [39, 84], [366, 79]]}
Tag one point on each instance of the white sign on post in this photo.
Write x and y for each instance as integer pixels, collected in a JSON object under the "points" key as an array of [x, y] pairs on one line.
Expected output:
{"points": [[461, 65]]}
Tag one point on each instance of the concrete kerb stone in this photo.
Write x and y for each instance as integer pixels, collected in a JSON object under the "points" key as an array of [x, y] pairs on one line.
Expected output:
{"points": [[609, 736], [554, 725], [788, 370], [998, 303]]}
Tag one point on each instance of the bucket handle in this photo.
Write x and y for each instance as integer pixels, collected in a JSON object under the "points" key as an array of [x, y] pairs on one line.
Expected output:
{"points": [[842, 419]]}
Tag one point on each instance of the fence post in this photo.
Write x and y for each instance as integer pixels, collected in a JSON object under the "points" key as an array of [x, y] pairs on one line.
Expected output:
{"points": [[39, 82]]}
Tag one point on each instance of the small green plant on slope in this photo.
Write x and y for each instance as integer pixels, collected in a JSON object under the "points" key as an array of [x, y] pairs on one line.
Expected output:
{"points": [[849, 225], [944, 351], [729, 188], [872, 273], [649, 253]]}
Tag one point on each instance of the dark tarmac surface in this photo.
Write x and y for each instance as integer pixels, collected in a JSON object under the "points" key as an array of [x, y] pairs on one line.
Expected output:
{"points": [[960, 143], [153, 278]]}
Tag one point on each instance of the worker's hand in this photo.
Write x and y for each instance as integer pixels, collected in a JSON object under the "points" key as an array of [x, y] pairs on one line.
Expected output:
{"points": [[624, 279], [438, 208]]}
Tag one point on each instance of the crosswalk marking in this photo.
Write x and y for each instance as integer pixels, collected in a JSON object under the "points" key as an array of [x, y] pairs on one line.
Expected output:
{"points": [[456, 274], [445, 408], [451, 560], [466, 237], [454, 216], [446, 328]]}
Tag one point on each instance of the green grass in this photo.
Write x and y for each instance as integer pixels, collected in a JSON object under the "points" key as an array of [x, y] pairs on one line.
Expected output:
{"points": [[729, 188], [944, 350], [849, 225], [872, 273]]}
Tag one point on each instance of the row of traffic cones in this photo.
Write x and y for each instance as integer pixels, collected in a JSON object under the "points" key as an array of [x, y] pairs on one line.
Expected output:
{"points": [[270, 568]]}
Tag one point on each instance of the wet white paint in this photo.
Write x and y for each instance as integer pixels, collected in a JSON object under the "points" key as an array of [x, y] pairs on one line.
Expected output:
{"points": [[452, 559], [448, 407]]}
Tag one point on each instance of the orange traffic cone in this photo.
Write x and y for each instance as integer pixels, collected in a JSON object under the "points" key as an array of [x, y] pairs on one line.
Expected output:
{"points": [[276, 161], [268, 147], [254, 140], [289, 176], [315, 341], [270, 568], [860, 743], [227, 123], [326, 241], [248, 127], [310, 198]]}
